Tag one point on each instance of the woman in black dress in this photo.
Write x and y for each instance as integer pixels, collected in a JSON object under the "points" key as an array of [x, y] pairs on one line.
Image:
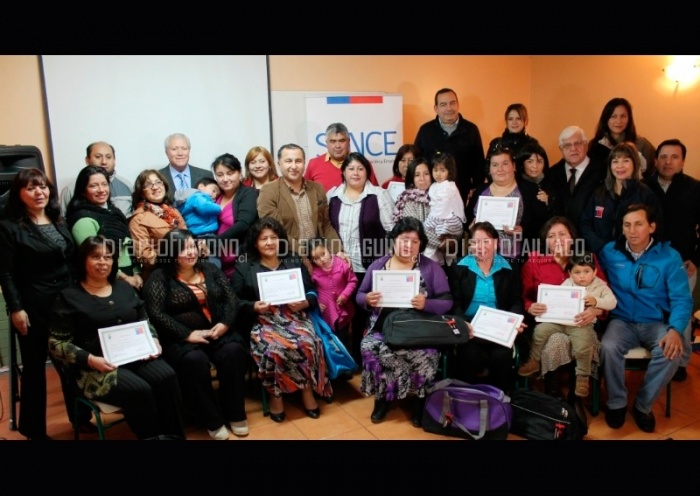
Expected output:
{"points": [[147, 390]]}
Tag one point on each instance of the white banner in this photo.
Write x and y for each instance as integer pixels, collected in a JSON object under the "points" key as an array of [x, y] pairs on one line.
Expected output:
{"points": [[375, 123]]}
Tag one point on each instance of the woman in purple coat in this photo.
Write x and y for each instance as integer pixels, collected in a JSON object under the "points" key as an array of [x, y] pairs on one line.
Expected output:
{"points": [[393, 373]]}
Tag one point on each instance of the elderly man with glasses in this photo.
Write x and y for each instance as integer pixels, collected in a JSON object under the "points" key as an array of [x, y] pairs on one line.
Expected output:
{"points": [[575, 176], [654, 304]]}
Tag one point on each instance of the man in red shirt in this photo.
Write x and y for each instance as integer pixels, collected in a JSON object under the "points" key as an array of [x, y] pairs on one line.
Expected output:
{"points": [[325, 169]]}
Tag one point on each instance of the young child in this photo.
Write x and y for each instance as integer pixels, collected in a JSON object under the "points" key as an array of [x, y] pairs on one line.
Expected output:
{"points": [[199, 208], [201, 213], [335, 283], [582, 272], [446, 205]]}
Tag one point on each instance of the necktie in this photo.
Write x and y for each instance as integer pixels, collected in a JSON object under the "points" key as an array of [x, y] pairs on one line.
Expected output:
{"points": [[572, 180], [181, 179]]}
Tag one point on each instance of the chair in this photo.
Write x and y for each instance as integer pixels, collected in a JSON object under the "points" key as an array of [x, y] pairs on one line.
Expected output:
{"points": [[98, 409], [15, 374], [442, 367], [635, 359]]}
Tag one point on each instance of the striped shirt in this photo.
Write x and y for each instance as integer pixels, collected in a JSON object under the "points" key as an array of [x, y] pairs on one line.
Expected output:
{"points": [[349, 219]]}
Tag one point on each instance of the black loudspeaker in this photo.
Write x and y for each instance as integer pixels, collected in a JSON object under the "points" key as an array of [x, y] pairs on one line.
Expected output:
{"points": [[12, 160]]}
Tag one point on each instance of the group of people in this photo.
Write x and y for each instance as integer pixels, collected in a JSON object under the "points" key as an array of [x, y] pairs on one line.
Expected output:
{"points": [[116, 255], [635, 209], [185, 248]]}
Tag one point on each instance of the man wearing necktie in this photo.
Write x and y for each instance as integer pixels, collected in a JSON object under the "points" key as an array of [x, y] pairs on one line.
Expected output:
{"points": [[179, 173], [572, 180], [575, 176]]}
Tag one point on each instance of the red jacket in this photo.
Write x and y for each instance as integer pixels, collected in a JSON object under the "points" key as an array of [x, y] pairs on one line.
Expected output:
{"points": [[543, 269]]}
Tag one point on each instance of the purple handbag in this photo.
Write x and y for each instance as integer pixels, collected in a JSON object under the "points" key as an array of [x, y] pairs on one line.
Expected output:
{"points": [[470, 411]]}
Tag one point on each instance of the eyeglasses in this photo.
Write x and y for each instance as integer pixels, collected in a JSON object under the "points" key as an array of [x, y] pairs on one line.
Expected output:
{"points": [[575, 144], [150, 184]]}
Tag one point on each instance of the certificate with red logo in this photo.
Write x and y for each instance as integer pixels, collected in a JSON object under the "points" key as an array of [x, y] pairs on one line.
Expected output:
{"points": [[563, 303], [278, 287], [398, 287], [127, 343], [498, 210], [496, 325]]}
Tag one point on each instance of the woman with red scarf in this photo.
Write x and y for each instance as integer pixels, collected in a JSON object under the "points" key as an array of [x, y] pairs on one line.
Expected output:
{"points": [[154, 216]]}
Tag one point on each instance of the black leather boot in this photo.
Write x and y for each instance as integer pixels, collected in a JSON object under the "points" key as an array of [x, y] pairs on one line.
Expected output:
{"points": [[381, 407], [417, 416]]}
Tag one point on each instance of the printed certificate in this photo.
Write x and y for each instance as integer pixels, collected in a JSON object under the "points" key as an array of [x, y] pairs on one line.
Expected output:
{"points": [[127, 343], [563, 303], [398, 287], [281, 286], [498, 210], [496, 325], [395, 188]]}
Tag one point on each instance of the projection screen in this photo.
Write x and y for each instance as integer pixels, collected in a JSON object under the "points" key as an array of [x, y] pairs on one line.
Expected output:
{"points": [[133, 102]]}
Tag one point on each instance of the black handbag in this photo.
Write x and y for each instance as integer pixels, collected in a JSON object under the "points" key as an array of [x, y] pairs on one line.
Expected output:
{"points": [[415, 329], [538, 416]]}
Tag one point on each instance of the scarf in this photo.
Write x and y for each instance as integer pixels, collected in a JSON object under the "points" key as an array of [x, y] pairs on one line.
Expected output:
{"points": [[537, 180], [410, 195], [162, 211]]}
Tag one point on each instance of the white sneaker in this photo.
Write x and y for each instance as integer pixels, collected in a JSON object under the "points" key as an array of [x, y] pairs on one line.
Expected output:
{"points": [[220, 434], [239, 429]]}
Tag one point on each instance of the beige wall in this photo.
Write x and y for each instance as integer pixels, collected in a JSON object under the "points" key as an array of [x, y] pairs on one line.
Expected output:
{"points": [[21, 103], [573, 90], [481, 82], [558, 91]]}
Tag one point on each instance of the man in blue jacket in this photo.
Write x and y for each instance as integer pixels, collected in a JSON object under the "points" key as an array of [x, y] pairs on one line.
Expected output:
{"points": [[654, 305]]}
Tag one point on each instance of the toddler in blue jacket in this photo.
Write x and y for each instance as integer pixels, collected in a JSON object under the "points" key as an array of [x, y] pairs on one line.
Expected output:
{"points": [[201, 212], [199, 208]]}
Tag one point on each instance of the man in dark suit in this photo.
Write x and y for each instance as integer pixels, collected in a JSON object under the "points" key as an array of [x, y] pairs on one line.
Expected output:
{"points": [[451, 133], [570, 195], [179, 173], [679, 195]]}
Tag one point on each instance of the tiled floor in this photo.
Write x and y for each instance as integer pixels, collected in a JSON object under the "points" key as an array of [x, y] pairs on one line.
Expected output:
{"points": [[347, 417]]}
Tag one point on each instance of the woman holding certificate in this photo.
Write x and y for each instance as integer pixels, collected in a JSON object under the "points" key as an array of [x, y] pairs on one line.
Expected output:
{"points": [[275, 290], [146, 389], [193, 308], [485, 279], [549, 267], [391, 373], [509, 203]]}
